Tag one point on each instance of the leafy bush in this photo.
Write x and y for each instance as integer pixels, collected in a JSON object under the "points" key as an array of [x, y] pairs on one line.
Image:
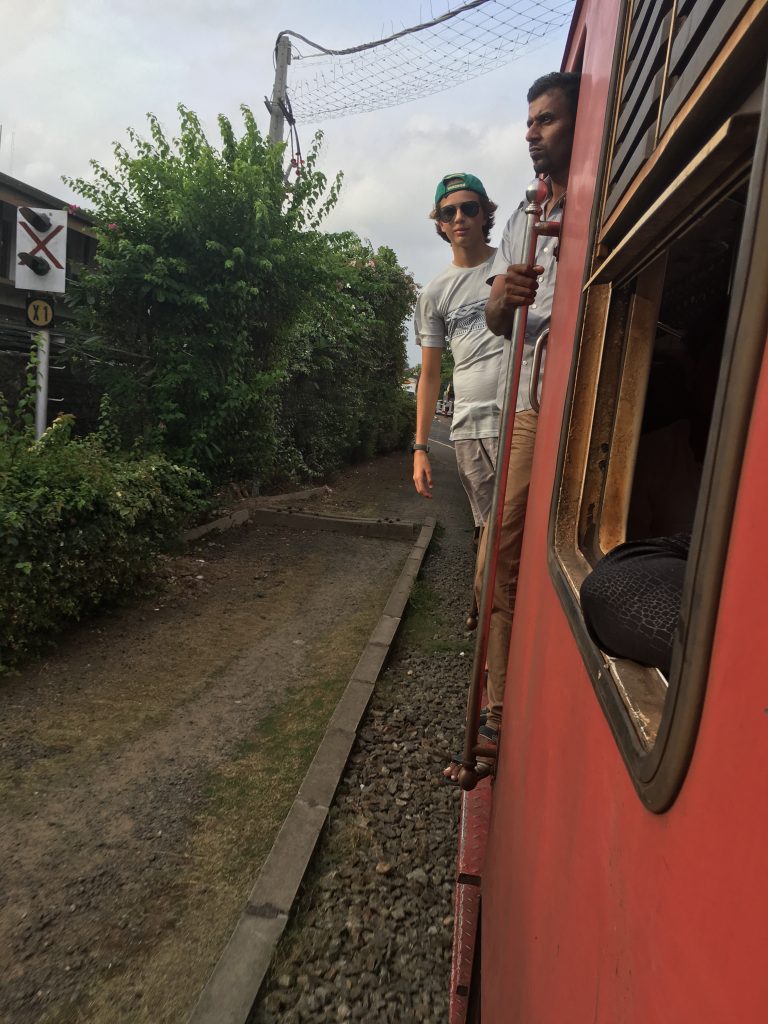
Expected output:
{"points": [[228, 330], [80, 524], [344, 398], [204, 257]]}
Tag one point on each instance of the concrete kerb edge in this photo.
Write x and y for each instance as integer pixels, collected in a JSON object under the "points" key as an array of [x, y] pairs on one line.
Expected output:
{"points": [[233, 988], [218, 525], [379, 528]]}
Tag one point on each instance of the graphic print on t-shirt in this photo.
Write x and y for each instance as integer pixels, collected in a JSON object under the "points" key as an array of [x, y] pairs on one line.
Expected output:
{"points": [[450, 313], [469, 317]]}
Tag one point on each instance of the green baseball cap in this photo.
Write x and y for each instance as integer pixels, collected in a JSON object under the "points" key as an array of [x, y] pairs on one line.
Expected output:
{"points": [[457, 183]]}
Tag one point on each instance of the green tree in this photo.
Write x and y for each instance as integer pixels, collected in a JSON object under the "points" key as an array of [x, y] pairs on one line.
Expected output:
{"points": [[344, 399], [204, 260]]}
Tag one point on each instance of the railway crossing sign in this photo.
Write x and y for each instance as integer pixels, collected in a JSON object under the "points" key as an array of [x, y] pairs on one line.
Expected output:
{"points": [[41, 249], [40, 312]]}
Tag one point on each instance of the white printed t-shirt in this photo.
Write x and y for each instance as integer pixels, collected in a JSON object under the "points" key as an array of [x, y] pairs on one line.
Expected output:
{"points": [[451, 312]]}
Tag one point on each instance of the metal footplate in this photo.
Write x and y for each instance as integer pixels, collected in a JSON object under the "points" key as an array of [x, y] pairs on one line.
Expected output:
{"points": [[473, 833]]}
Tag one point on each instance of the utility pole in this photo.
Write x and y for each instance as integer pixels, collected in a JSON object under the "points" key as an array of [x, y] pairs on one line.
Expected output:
{"points": [[279, 92]]}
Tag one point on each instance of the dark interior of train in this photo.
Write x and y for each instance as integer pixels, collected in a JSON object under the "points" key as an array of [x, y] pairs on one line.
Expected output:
{"points": [[684, 372], [631, 600]]}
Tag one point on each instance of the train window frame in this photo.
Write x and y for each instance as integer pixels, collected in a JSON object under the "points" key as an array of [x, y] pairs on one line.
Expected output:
{"points": [[655, 720]]}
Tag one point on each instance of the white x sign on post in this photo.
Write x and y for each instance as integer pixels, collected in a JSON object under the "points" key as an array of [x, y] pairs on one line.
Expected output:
{"points": [[41, 250]]}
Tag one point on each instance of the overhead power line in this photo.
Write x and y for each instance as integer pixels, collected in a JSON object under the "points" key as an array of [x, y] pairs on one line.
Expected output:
{"points": [[460, 44]]}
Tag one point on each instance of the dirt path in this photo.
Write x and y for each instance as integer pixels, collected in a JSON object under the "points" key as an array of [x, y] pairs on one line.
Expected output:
{"points": [[146, 765]]}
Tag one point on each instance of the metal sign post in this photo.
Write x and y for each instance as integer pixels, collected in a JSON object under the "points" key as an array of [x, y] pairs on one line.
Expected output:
{"points": [[41, 398], [41, 251]]}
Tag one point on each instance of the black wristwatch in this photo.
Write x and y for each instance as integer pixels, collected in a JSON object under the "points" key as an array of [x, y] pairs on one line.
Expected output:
{"points": [[419, 448]]}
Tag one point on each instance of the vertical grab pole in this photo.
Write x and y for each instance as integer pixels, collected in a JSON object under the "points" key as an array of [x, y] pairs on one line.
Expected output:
{"points": [[535, 195]]}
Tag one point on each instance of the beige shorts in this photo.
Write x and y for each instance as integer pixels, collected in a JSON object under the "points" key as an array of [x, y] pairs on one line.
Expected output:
{"points": [[476, 460]]}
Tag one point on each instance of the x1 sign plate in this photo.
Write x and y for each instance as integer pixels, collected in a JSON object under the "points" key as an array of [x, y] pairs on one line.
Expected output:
{"points": [[48, 244], [40, 313]]}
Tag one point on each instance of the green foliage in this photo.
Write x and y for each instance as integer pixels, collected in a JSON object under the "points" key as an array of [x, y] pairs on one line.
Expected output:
{"points": [[344, 399], [80, 523], [228, 330], [203, 260], [226, 333]]}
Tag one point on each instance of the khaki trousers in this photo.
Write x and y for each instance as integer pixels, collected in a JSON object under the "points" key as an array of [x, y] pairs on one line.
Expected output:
{"points": [[508, 565]]}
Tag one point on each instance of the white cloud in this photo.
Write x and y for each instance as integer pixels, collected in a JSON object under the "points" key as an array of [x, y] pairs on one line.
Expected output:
{"points": [[76, 75]]}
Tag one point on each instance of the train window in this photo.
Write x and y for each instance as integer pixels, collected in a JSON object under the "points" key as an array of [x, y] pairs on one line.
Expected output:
{"points": [[659, 405], [655, 404]]}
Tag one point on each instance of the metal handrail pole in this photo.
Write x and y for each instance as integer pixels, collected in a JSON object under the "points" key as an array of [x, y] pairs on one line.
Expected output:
{"points": [[536, 193]]}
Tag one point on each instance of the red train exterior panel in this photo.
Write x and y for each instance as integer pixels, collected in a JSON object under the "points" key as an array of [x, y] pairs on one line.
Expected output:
{"points": [[595, 910]]}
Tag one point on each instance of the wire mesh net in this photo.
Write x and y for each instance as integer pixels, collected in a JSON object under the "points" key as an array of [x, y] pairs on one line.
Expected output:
{"points": [[465, 41]]}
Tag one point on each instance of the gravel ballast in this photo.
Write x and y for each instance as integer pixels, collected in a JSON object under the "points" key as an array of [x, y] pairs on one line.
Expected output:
{"points": [[370, 939]]}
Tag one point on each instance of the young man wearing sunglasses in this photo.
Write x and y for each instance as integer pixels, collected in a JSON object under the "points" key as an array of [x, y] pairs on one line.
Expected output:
{"points": [[451, 311]]}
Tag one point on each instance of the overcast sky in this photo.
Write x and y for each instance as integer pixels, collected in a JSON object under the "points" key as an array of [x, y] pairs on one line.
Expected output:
{"points": [[76, 73]]}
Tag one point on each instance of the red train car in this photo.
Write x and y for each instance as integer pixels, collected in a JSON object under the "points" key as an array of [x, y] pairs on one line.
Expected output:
{"points": [[623, 879]]}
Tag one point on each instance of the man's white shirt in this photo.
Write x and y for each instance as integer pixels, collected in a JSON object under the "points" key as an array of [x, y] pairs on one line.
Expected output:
{"points": [[450, 312], [539, 313]]}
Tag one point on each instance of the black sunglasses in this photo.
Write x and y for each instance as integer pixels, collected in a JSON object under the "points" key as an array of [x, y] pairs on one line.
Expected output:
{"points": [[447, 213]]}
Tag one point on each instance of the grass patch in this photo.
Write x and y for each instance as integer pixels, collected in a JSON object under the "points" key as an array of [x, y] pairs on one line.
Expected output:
{"points": [[250, 796], [426, 627], [424, 614]]}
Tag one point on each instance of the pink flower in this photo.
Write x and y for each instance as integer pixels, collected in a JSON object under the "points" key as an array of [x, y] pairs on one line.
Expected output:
{"points": [[112, 226], [73, 207]]}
